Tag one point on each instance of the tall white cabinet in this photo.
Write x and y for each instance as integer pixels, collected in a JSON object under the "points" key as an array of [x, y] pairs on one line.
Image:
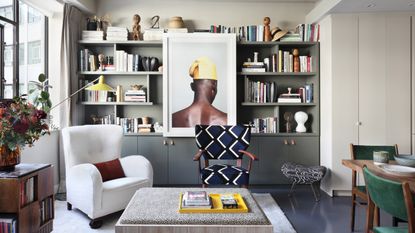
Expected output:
{"points": [[365, 87]]}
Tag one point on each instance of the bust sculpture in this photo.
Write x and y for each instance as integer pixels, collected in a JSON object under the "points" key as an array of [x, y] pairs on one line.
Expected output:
{"points": [[136, 27], [300, 117]]}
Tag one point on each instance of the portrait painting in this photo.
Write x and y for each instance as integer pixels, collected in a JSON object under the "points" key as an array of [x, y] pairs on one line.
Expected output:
{"points": [[199, 85]]}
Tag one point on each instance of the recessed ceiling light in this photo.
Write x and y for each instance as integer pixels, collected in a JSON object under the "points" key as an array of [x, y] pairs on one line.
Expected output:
{"points": [[371, 5]]}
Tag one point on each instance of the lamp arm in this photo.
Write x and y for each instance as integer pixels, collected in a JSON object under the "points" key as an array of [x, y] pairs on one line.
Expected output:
{"points": [[76, 92]]}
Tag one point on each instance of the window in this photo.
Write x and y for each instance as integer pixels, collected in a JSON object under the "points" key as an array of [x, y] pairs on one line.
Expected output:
{"points": [[33, 15], [33, 52], [7, 12], [21, 54], [8, 55]]}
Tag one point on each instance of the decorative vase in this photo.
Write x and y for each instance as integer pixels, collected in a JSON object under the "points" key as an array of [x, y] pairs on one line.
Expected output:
{"points": [[9, 159], [176, 22], [300, 117]]}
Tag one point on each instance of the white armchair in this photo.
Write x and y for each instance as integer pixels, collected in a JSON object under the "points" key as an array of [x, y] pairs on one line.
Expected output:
{"points": [[88, 144]]}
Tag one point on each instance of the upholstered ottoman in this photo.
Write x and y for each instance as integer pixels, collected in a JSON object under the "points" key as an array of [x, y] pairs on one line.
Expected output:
{"points": [[157, 210], [299, 174]]}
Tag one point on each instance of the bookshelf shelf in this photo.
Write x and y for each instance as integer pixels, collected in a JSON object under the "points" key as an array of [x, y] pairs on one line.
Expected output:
{"points": [[277, 104], [112, 43], [118, 103], [284, 134], [299, 44], [27, 216], [277, 73], [120, 73]]}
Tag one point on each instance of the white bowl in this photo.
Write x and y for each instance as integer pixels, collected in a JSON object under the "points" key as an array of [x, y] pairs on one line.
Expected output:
{"points": [[405, 160]]}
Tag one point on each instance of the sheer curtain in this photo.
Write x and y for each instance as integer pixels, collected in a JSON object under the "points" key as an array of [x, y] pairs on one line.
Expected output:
{"points": [[73, 21]]}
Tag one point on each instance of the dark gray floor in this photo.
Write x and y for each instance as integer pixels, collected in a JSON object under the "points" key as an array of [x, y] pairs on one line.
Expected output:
{"points": [[329, 215]]}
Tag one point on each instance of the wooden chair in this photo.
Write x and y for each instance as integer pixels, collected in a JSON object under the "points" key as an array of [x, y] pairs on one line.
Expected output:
{"points": [[393, 197], [364, 152], [227, 143]]}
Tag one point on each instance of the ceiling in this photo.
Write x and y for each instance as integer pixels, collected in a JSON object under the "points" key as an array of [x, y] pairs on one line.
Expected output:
{"points": [[373, 6]]}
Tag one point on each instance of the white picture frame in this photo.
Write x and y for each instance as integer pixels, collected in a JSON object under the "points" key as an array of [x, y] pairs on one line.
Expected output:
{"points": [[180, 50]]}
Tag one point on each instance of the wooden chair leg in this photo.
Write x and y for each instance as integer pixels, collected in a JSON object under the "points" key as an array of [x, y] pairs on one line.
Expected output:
{"points": [[353, 212], [376, 218]]}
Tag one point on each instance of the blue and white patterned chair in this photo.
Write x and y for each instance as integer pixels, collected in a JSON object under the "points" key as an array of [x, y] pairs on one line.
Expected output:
{"points": [[223, 142]]}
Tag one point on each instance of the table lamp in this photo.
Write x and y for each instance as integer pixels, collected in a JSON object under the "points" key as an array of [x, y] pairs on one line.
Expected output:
{"points": [[100, 86]]}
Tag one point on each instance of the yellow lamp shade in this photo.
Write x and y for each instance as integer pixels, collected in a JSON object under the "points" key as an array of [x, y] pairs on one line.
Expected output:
{"points": [[100, 86], [203, 68]]}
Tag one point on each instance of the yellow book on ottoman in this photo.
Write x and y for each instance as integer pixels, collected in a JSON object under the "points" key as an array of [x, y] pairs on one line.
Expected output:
{"points": [[216, 204]]}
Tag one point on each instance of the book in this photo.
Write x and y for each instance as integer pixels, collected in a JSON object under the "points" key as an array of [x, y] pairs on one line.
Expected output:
{"points": [[196, 198], [289, 100], [197, 206], [253, 69], [228, 201]]}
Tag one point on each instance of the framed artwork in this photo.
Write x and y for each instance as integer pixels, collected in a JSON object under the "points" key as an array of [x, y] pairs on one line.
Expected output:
{"points": [[199, 81]]}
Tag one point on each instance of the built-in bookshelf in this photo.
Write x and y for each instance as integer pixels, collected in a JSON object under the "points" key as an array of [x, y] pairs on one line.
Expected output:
{"points": [[122, 65], [27, 203], [284, 79]]}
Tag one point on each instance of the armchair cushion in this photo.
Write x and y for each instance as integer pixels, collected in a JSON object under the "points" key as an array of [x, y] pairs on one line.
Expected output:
{"points": [[224, 174], [110, 170]]}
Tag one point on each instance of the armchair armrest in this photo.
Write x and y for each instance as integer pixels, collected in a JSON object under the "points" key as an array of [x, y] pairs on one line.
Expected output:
{"points": [[198, 155], [250, 155], [137, 166], [84, 186]]}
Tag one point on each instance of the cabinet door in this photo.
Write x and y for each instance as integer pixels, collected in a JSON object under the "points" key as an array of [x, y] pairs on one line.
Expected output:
{"points": [[129, 146], [154, 149], [254, 176], [182, 168], [272, 154]]}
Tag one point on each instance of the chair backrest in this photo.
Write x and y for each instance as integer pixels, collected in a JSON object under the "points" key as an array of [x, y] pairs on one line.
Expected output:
{"points": [[365, 152], [222, 141], [388, 195], [91, 144]]}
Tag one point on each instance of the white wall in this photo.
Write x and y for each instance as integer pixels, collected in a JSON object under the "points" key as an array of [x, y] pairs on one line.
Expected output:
{"points": [[202, 14], [45, 150]]}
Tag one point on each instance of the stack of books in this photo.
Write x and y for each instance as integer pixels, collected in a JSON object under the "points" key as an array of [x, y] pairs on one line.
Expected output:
{"points": [[117, 33], [135, 96], [289, 98], [93, 35], [145, 128], [153, 34], [8, 223], [228, 201], [196, 199], [253, 67], [291, 37]]}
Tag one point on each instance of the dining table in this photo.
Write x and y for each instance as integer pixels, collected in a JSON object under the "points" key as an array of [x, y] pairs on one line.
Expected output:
{"points": [[357, 165]]}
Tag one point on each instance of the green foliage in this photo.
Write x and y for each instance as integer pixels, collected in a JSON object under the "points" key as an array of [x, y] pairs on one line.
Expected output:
{"points": [[39, 95]]}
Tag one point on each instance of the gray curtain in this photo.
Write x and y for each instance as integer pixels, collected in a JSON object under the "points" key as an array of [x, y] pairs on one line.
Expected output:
{"points": [[73, 21]]}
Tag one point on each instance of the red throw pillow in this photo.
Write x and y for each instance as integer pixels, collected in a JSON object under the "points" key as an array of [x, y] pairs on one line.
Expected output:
{"points": [[110, 170]]}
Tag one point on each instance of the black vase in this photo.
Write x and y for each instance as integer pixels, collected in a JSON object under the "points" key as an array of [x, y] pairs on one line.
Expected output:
{"points": [[146, 63], [154, 64]]}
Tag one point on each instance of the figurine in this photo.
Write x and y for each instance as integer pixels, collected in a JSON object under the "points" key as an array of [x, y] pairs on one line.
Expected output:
{"points": [[101, 58], [136, 27], [296, 59], [136, 87], [267, 30], [288, 117]]}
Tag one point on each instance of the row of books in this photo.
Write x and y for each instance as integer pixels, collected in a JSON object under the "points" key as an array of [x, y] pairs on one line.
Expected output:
{"points": [[260, 92], [87, 60], [95, 96], [133, 125], [8, 224], [46, 210], [126, 62], [264, 125], [222, 29], [286, 62], [308, 32], [27, 192]]}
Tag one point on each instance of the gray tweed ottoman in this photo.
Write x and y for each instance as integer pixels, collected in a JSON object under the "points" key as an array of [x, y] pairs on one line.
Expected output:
{"points": [[156, 210]]}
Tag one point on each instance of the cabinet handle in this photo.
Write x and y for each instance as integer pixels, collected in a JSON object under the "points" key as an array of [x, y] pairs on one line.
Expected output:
{"points": [[285, 142], [171, 142], [292, 142], [164, 142], [358, 123]]}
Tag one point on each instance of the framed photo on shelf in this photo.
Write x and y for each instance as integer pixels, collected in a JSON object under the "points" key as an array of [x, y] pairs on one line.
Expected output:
{"points": [[199, 81]]}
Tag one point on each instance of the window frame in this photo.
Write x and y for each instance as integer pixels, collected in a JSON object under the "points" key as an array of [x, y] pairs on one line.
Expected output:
{"points": [[15, 23]]}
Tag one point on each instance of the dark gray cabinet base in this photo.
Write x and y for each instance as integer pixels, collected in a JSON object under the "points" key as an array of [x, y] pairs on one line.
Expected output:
{"points": [[172, 158]]}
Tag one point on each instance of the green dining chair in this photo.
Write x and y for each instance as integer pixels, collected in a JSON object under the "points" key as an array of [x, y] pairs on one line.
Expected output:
{"points": [[392, 197], [365, 152]]}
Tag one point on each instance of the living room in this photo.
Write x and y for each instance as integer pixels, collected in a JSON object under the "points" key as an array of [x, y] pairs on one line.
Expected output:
{"points": [[307, 85]]}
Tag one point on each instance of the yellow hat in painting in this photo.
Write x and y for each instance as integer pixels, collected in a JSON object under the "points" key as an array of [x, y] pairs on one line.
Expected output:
{"points": [[203, 68]]}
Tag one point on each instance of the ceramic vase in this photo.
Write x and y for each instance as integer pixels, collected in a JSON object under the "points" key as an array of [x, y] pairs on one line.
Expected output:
{"points": [[301, 118], [9, 159]]}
